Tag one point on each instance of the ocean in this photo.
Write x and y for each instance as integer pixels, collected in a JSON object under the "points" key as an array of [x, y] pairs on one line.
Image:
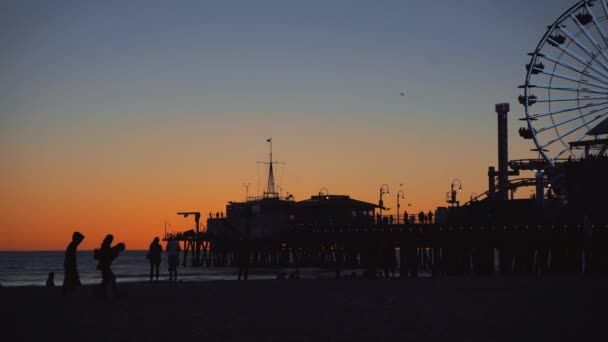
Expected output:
{"points": [[32, 269]]}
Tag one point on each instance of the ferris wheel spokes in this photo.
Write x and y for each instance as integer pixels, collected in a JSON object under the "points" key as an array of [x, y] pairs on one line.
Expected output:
{"points": [[592, 40], [560, 137], [575, 68], [566, 88], [561, 111], [581, 60], [583, 47], [563, 122], [569, 78], [567, 148], [568, 99], [596, 23]]}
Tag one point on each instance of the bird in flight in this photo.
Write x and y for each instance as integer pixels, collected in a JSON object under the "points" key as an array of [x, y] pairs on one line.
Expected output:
{"points": [[403, 93]]}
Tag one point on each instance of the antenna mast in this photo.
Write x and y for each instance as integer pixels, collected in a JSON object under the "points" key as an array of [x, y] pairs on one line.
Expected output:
{"points": [[270, 188]]}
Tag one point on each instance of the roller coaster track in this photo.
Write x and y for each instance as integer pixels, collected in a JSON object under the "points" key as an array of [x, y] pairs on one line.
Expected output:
{"points": [[513, 184]]}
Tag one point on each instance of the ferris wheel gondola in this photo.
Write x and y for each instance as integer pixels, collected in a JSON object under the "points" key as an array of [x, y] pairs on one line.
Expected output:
{"points": [[566, 89]]}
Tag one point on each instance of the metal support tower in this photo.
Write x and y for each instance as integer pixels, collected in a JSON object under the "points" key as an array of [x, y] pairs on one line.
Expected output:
{"points": [[502, 109]]}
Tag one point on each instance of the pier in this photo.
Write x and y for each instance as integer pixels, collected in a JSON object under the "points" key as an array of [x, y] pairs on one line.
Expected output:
{"points": [[434, 248]]}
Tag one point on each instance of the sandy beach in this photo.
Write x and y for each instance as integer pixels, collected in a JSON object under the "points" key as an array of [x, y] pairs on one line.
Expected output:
{"points": [[424, 309]]}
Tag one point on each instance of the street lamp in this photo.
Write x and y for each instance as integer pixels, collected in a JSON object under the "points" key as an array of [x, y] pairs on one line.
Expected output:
{"points": [[382, 192], [326, 193], [166, 229], [453, 192], [246, 185], [400, 195]]}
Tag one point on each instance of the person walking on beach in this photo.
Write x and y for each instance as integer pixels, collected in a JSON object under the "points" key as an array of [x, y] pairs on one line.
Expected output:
{"points": [[244, 253], [106, 255], [50, 282], [71, 278], [154, 256], [243, 259], [173, 256]]}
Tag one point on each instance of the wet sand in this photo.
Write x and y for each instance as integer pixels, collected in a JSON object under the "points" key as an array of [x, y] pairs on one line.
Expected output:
{"points": [[424, 309]]}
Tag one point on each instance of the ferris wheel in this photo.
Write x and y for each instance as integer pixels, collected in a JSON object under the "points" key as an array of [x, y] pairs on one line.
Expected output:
{"points": [[566, 89]]}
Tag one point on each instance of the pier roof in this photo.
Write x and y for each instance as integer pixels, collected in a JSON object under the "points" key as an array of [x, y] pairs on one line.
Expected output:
{"points": [[340, 200], [601, 128]]}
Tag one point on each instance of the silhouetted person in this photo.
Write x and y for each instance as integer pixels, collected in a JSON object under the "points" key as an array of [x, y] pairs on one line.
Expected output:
{"points": [[430, 216], [50, 282], [106, 255], [173, 257], [71, 278], [154, 253], [244, 254]]}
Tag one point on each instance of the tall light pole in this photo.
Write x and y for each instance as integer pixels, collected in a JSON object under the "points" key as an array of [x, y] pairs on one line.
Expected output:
{"points": [[166, 229], [326, 193], [246, 185], [382, 192], [473, 196], [400, 195], [453, 192]]}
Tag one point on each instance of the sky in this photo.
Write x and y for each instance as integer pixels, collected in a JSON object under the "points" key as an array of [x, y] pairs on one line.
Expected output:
{"points": [[115, 115]]}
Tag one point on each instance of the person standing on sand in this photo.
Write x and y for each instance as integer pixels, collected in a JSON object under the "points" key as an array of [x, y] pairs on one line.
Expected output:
{"points": [[71, 278], [106, 255], [243, 258], [244, 253], [50, 282], [154, 256], [173, 255]]}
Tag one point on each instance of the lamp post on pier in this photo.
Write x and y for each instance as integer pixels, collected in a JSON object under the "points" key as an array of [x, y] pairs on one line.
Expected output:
{"points": [[400, 195], [381, 202], [166, 229], [452, 198], [246, 185], [326, 193]]}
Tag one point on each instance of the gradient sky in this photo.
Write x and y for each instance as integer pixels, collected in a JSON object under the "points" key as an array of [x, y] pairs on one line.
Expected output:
{"points": [[114, 115]]}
